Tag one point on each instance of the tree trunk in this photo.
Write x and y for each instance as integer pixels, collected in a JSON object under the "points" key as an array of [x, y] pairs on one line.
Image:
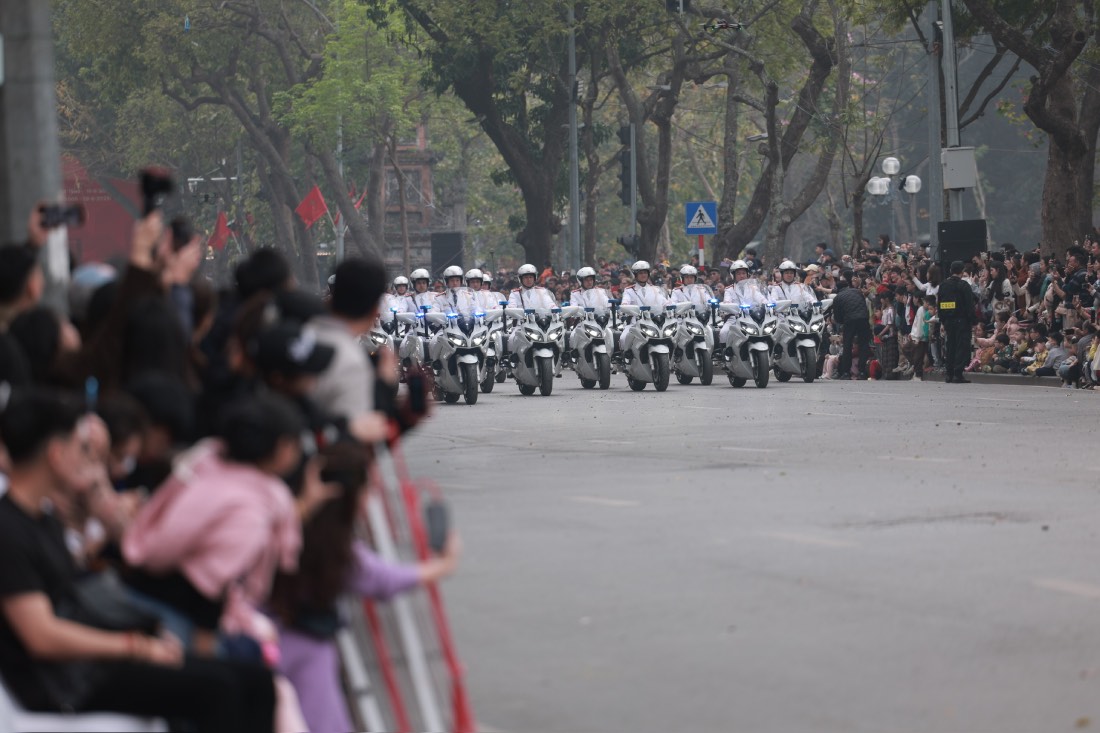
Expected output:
{"points": [[1061, 209], [857, 222], [349, 215]]}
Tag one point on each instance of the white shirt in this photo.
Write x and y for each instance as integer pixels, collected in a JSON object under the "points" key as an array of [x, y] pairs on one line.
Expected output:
{"points": [[796, 292], [486, 299], [592, 298], [535, 298], [402, 303], [746, 292], [426, 298], [457, 300], [697, 294], [639, 294]]}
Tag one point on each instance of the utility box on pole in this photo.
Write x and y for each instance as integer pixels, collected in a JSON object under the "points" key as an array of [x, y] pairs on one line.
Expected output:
{"points": [[960, 168]]}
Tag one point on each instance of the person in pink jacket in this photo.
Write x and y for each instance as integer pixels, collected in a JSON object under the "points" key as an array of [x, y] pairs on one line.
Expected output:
{"points": [[205, 548]]}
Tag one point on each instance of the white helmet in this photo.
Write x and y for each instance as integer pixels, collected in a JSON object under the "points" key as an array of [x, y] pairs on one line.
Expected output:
{"points": [[527, 269], [585, 272], [452, 271], [738, 265], [688, 270], [420, 274], [639, 266], [401, 280], [787, 265], [474, 274]]}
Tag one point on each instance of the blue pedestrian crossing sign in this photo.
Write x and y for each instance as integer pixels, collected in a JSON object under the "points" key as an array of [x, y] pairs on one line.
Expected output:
{"points": [[701, 217]]}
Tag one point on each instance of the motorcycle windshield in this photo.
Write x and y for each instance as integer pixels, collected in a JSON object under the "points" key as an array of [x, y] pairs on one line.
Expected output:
{"points": [[466, 324], [543, 321]]}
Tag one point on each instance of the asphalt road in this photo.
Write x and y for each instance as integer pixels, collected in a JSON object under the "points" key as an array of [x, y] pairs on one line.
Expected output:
{"points": [[841, 556]]}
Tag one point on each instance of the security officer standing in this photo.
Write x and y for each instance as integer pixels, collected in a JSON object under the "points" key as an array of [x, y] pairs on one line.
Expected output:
{"points": [[956, 312], [850, 313]]}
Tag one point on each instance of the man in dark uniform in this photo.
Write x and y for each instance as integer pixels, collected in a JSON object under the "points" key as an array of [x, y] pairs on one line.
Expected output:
{"points": [[956, 311], [850, 313]]}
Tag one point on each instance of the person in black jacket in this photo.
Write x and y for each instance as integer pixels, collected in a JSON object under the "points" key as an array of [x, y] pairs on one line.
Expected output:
{"points": [[956, 309], [850, 312]]}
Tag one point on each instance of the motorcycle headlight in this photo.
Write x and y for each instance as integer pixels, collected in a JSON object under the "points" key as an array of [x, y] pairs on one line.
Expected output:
{"points": [[694, 329], [555, 333], [592, 332], [378, 338], [817, 326], [532, 334], [750, 329], [769, 329], [797, 326], [649, 331], [669, 331], [456, 340], [479, 339]]}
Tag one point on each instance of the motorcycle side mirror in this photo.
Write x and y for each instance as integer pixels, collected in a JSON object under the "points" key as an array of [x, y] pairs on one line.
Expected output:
{"points": [[425, 308], [502, 303], [589, 310], [645, 308], [555, 310]]}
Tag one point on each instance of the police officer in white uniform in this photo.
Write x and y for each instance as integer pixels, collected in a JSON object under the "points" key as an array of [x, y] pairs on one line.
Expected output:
{"points": [[692, 291], [398, 299], [529, 295], [790, 289], [642, 292], [588, 295], [422, 294], [744, 291], [475, 281], [457, 298]]}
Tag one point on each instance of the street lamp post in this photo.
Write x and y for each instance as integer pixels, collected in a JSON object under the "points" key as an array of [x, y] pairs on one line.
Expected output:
{"points": [[885, 190]]}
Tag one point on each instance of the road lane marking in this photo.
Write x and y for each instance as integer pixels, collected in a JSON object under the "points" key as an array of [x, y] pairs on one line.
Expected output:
{"points": [[808, 539], [613, 442], [753, 450], [918, 459], [505, 430], [600, 501], [1072, 587], [880, 394]]}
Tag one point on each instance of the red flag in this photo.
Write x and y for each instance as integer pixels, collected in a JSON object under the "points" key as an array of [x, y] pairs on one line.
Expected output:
{"points": [[312, 208], [360, 201], [221, 233]]}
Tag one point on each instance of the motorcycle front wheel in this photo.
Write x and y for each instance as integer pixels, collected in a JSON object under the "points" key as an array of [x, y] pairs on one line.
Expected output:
{"points": [[588, 383], [781, 375], [469, 383], [706, 369], [737, 381], [761, 370], [808, 356], [683, 378], [660, 371], [451, 397], [603, 368], [635, 384], [526, 390], [545, 368]]}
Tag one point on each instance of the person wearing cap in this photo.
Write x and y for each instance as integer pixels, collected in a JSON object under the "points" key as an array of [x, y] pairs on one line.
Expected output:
{"points": [[788, 287], [956, 311], [745, 290], [483, 298], [691, 291], [398, 299]]}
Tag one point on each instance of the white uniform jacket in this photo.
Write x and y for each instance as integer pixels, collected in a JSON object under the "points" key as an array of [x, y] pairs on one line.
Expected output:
{"points": [[537, 298], [592, 298]]}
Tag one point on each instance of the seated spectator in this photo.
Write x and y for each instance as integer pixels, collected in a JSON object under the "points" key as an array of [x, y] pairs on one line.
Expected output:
{"points": [[50, 658], [205, 548], [333, 563]]}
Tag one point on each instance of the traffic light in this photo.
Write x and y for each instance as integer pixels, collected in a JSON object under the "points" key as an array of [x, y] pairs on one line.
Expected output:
{"points": [[631, 243]]}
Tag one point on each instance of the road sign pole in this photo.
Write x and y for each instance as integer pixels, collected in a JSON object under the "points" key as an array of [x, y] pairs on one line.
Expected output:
{"points": [[702, 259]]}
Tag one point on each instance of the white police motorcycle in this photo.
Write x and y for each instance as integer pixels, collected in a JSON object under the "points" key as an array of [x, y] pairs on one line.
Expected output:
{"points": [[652, 350], [495, 370], [414, 345], [385, 332], [458, 353], [750, 340], [536, 359], [798, 341], [693, 346], [592, 343]]}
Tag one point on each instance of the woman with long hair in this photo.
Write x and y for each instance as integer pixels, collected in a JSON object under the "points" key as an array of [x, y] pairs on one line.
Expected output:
{"points": [[334, 562]]}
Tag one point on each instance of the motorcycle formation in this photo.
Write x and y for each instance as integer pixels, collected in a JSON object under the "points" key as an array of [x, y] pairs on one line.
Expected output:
{"points": [[472, 339]]}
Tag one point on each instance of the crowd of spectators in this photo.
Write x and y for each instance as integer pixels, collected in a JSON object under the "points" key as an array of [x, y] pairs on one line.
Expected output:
{"points": [[1037, 314], [180, 474]]}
